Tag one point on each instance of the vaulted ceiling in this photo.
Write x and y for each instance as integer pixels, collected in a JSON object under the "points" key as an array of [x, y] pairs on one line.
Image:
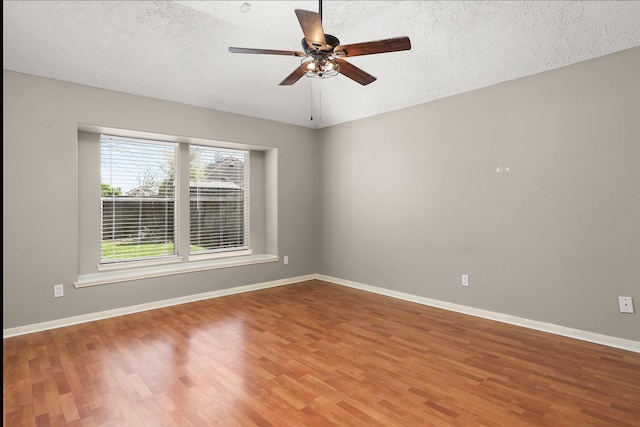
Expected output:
{"points": [[178, 50]]}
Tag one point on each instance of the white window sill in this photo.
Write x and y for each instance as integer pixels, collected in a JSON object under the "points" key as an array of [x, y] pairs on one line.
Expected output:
{"points": [[116, 276]]}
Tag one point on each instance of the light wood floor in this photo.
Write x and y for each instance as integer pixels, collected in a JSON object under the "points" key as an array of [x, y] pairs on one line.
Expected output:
{"points": [[313, 354]]}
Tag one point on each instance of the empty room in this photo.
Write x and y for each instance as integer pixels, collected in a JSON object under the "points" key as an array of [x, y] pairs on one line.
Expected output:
{"points": [[321, 213]]}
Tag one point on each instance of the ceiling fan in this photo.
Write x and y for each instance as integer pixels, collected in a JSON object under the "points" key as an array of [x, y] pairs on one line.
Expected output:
{"points": [[323, 55]]}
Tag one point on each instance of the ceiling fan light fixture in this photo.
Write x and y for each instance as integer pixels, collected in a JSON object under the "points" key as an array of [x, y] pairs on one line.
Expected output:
{"points": [[321, 67]]}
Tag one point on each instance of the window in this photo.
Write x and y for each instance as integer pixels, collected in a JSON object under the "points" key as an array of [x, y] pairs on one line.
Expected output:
{"points": [[138, 199], [218, 202], [150, 205]]}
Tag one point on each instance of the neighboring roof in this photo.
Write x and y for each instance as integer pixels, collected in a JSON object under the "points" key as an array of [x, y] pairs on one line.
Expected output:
{"points": [[141, 192], [148, 192], [214, 184]]}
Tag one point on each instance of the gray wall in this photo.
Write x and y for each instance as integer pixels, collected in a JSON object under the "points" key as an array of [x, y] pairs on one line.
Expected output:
{"points": [[40, 220], [411, 200], [406, 201]]}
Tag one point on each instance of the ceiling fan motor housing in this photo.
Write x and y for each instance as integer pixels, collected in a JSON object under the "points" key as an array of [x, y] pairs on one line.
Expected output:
{"points": [[329, 39]]}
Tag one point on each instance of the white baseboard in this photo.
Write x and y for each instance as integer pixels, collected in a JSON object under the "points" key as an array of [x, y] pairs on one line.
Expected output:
{"points": [[53, 324], [592, 337], [606, 340]]}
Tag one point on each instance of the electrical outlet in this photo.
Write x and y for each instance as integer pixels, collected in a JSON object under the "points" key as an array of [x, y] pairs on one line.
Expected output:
{"points": [[465, 280], [58, 291], [286, 259], [626, 304]]}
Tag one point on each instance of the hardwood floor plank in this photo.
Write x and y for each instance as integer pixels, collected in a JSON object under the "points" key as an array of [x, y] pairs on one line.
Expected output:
{"points": [[313, 354]]}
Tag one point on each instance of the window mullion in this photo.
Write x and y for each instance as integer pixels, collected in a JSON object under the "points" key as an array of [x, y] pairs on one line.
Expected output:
{"points": [[182, 200]]}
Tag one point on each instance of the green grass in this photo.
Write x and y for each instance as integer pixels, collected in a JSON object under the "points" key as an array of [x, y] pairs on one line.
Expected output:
{"points": [[123, 250]]}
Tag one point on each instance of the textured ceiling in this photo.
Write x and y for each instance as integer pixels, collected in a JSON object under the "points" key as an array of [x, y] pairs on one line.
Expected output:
{"points": [[178, 50]]}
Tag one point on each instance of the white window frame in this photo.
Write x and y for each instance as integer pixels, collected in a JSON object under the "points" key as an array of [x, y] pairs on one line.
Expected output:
{"points": [[264, 238]]}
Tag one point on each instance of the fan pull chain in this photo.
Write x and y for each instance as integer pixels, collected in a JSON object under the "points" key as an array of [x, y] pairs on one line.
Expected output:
{"points": [[320, 102], [311, 103]]}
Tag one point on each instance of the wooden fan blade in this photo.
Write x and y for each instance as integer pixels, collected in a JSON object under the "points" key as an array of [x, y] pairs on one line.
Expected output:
{"points": [[311, 24], [355, 73], [369, 48], [265, 51], [294, 77]]}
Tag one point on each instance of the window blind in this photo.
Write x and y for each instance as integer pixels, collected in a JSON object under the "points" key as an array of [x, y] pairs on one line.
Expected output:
{"points": [[138, 212], [218, 199]]}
